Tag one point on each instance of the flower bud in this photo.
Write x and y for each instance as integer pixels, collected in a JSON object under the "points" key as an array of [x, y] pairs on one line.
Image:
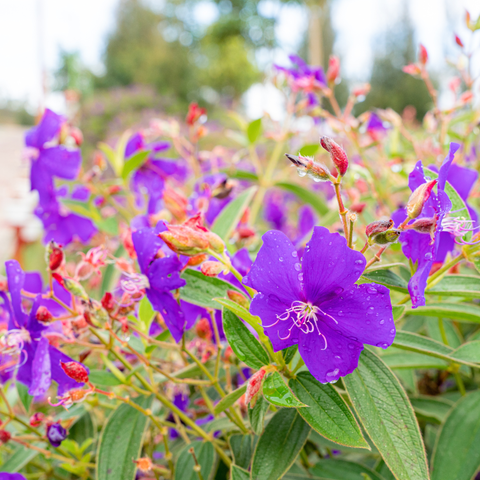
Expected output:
{"points": [[385, 238], [458, 41], [194, 113], [254, 385], [56, 434], [358, 207], [54, 256], [337, 153], [418, 198], [211, 268], [77, 135], [43, 315], [216, 243], [237, 297], [361, 91], [36, 419], [76, 371], [423, 55], [425, 225], [5, 436], [307, 166], [333, 69], [197, 260], [245, 232], [144, 464], [203, 330], [3, 284], [108, 302], [184, 241], [412, 69], [74, 288], [377, 227]]}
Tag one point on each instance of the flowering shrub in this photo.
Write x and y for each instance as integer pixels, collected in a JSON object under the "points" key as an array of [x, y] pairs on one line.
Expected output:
{"points": [[206, 313]]}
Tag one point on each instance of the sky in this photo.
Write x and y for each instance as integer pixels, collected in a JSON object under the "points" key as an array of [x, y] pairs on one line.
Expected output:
{"points": [[28, 27]]}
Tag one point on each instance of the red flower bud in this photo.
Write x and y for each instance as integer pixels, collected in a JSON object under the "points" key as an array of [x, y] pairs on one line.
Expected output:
{"points": [[237, 297], [203, 330], [378, 227], [358, 207], [254, 385], [55, 256], [5, 436], [425, 225], [76, 371], [211, 268], [245, 232], [77, 135], [361, 91], [418, 198], [194, 113], [196, 260], [458, 41], [337, 153], [36, 419], [3, 284], [333, 69], [228, 354], [112, 190], [423, 55], [412, 69], [466, 97], [43, 315], [108, 302]]}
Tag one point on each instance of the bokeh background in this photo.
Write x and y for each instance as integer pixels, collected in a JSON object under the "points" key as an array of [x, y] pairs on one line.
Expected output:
{"points": [[115, 64]]}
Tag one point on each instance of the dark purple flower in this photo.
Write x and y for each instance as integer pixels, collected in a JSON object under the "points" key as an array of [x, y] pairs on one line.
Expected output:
{"points": [[38, 363], [11, 476], [163, 274], [56, 434], [422, 249], [315, 303]]}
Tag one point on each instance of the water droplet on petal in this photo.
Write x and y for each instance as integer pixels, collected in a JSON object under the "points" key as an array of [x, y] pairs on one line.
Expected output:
{"points": [[372, 290], [280, 259], [338, 290], [428, 256], [294, 254], [382, 322], [382, 345], [337, 357], [351, 346], [340, 313], [300, 277], [298, 267], [333, 373], [370, 310], [358, 262]]}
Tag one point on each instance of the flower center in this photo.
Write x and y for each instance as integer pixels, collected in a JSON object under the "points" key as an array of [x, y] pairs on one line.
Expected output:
{"points": [[305, 316], [458, 226], [11, 343]]}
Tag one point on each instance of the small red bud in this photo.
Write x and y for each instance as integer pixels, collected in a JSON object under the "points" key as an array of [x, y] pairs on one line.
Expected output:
{"points": [[55, 256], [77, 135], [76, 371], [5, 436], [43, 315], [203, 330], [458, 41], [358, 207], [194, 113], [36, 419], [114, 189], [108, 302], [144, 464], [228, 354], [211, 268], [378, 227], [3, 284], [254, 385], [337, 153], [412, 69], [423, 55], [333, 69], [59, 279], [466, 97], [245, 232], [418, 198]]}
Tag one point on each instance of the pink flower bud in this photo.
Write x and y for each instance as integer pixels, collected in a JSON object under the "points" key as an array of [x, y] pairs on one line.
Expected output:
{"points": [[76, 371], [77, 135], [466, 97], [458, 41], [418, 198], [423, 55], [211, 268], [361, 91], [337, 153], [5, 436], [307, 166], [108, 302], [237, 297], [36, 419], [412, 69], [333, 69], [378, 227], [203, 330], [43, 315], [196, 260], [254, 385]]}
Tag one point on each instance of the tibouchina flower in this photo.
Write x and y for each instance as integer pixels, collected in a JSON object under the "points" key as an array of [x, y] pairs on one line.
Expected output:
{"points": [[315, 303], [419, 247]]}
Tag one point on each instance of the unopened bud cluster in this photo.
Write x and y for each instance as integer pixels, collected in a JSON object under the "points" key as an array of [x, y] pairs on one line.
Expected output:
{"points": [[382, 233]]}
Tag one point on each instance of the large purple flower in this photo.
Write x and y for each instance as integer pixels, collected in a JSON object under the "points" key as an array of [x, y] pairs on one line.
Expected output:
{"points": [[419, 247], [38, 361], [315, 303], [163, 274]]}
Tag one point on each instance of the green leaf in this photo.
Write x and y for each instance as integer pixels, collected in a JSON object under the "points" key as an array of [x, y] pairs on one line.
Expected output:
{"points": [[83, 430], [468, 353], [25, 398], [413, 360], [103, 378], [289, 353], [342, 470], [205, 456], [254, 130], [456, 454], [387, 278], [309, 150], [398, 312], [229, 399], [242, 449], [134, 163], [467, 286], [279, 445], [108, 225], [277, 392], [245, 346], [433, 409], [146, 313], [201, 290], [229, 217], [312, 198], [256, 415], [111, 157], [19, 458], [82, 208], [459, 312], [238, 473], [240, 174], [385, 412], [328, 414], [121, 441]]}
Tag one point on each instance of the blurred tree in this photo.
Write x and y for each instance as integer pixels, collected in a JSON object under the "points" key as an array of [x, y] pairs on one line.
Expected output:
{"points": [[391, 87], [72, 74]]}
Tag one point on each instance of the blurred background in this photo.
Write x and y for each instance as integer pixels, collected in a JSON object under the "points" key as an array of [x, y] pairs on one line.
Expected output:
{"points": [[114, 64]]}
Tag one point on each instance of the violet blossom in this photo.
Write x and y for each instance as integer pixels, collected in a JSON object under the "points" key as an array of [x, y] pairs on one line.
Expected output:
{"points": [[315, 303], [420, 248]]}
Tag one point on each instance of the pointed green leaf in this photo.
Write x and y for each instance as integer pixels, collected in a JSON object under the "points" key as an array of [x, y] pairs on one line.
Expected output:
{"points": [[456, 454], [238, 473], [254, 130], [242, 450], [121, 441], [309, 150], [277, 392], [433, 409], [468, 353], [307, 196], [25, 398], [256, 415], [413, 360], [387, 278], [205, 454], [245, 346], [289, 353], [229, 217], [201, 290], [467, 286], [19, 458], [279, 445], [229, 399], [327, 412], [387, 415], [134, 163], [343, 470], [459, 312]]}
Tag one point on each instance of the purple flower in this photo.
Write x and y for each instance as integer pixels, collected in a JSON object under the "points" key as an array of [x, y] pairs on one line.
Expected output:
{"points": [[419, 247], [163, 274], [38, 363], [315, 303], [11, 476], [56, 434]]}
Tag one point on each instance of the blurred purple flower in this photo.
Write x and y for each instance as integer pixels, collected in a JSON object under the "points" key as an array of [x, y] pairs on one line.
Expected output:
{"points": [[11, 476], [56, 434], [317, 304]]}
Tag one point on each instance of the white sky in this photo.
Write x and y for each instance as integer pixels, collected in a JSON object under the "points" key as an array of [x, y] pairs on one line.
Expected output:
{"points": [[83, 26]]}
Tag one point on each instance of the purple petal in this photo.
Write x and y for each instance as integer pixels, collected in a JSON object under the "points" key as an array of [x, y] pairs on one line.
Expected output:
{"points": [[164, 274], [147, 244], [134, 144], [329, 266], [45, 131], [168, 307], [365, 313], [16, 279], [11, 476], [306, 222], [446, 245], [65, 383], [41, 370], [33, 282], [276, 269], [192, 313], [61, 162]]}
